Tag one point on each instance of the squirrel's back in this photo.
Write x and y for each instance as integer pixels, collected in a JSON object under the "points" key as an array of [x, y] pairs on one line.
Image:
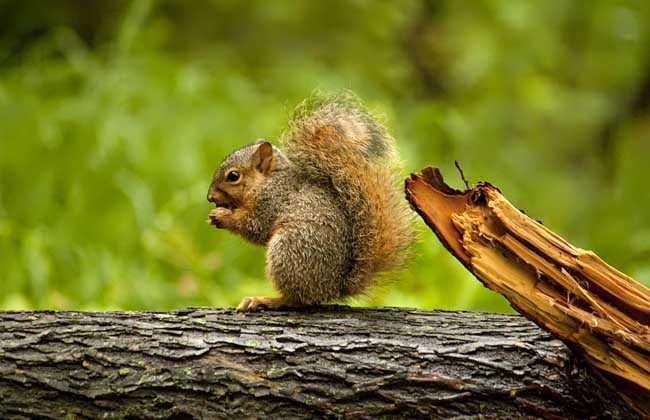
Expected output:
{"points": [[337, 144]]}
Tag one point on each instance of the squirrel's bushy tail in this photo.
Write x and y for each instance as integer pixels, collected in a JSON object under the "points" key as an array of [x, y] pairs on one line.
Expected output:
{"points": [[339, 144]]}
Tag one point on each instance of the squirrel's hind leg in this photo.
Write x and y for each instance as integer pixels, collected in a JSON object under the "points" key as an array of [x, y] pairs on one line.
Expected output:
{"points": [[307, 263]]}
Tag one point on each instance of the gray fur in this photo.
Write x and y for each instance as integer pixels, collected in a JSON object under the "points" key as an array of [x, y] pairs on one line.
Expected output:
{"points": [[307, 235], [308, 257], [328, 210]]}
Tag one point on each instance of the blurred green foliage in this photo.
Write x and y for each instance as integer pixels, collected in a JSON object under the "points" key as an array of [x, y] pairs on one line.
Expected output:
{"points": [[113, 116]]}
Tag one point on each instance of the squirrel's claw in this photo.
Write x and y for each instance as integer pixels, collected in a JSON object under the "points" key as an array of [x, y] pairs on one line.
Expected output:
{"points": [[252, 303]]}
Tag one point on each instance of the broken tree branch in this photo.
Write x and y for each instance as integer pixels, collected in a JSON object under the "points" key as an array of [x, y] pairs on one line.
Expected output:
{"points": [[599, 312]]}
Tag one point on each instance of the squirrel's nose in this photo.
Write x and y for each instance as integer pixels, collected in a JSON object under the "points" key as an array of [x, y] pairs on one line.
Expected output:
{"points": [[212, 194], [217, 197]]}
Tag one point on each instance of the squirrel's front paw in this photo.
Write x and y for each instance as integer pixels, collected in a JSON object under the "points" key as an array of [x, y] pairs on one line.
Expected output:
{"points": [[218, 215]]}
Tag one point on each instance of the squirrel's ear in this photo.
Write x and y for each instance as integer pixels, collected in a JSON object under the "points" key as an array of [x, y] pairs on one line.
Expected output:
{"points": [[263, 158]]}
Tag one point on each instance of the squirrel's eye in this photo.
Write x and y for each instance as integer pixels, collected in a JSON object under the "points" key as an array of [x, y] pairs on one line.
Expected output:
{"points": [[233, 176]]}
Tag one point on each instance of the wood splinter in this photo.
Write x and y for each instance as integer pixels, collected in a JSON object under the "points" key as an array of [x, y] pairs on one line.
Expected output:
{"points": [[599, 312]]}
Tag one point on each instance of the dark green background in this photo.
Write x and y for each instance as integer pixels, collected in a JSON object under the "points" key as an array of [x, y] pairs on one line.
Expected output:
{"points": [[114, 114]]}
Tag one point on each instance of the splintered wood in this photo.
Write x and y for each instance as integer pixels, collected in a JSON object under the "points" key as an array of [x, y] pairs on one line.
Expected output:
{"points": [[596, 310]]}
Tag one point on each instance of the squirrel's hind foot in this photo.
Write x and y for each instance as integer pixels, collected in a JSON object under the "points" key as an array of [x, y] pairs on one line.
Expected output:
{"points": [[252, 303]]}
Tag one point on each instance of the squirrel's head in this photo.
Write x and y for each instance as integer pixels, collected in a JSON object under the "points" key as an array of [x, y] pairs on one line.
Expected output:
{"points": [[237, 178]]}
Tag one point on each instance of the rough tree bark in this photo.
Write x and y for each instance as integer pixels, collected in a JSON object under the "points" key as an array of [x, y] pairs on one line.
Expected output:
{"points": [[327, 362]]}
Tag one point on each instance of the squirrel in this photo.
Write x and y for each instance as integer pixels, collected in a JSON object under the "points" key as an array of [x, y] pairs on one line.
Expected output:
{"points": [[326, 204]]}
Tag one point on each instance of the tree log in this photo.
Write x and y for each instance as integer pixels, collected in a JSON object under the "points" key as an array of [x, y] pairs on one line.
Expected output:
{"points": [[331, 362]]}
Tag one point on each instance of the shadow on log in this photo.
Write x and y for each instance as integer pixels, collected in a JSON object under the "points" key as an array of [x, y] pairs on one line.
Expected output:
{"points": [[327, 362]]}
